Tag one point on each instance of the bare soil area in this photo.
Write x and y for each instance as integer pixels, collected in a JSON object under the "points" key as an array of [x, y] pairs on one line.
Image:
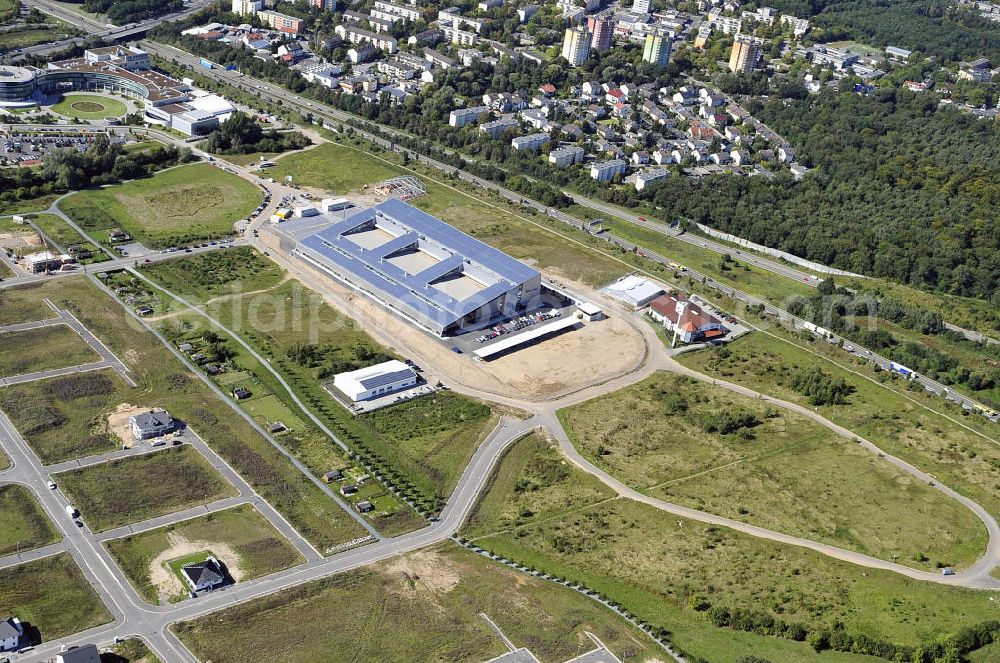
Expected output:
{"points": [[118, 422], [166, 581]]}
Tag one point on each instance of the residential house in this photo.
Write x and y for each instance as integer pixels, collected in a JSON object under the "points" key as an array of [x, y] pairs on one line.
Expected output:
{"points": [[204, 576], [460, 117], [567, 155], [640, 158], [79, 654], [437, 59], [688, 322], [11, 632], [606, 171], [497, 128], [152, 423], [531, 142], [643, 179]]}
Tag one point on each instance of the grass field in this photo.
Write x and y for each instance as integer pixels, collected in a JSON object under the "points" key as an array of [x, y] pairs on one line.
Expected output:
{"points": [[138, 488], [28, 205], [421, 607], [173, 207], [62, 604], [22, 521], [880, 409], [132, 650], [340, 168], [41, 349], [21, 305], [217, 273], [165, 382], [258, 548], [89, 106], [783, 472], [11, 39], [653, 563], [66, 417]]}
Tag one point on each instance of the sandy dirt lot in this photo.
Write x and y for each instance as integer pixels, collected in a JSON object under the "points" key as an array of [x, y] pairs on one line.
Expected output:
{"points": [[595, 353], [428, 571], [167, 583], [118, 422]]}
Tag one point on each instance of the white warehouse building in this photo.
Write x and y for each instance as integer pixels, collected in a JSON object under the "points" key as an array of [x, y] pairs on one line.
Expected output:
{"points": [[375, 381]]}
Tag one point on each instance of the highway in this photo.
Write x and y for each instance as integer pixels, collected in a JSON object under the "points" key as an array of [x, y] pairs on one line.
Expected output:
{"points": [[95, 28]]}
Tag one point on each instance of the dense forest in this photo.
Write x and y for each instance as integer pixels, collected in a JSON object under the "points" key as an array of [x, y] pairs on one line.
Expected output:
{"points": [[901, 189], [932, 27], [121, 12], [240, 134]]}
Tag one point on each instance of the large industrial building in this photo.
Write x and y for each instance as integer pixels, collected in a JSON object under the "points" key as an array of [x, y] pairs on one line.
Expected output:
{"points": [[425, 270]]}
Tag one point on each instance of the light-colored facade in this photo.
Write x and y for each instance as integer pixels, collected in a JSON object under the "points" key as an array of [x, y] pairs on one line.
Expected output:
{"points": [[576, 45], [532, 142], [606, 171], [461, 117], [566, 155], [656, 49], [245, 7], [375, 381], [743, 58]]}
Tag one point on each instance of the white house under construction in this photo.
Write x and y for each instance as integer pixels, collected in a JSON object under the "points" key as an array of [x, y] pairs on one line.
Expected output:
{"points": [[424, 269]]}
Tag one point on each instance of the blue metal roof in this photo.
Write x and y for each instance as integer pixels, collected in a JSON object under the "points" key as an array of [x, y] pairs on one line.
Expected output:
{"points": [[377, 381], [416, 291]]}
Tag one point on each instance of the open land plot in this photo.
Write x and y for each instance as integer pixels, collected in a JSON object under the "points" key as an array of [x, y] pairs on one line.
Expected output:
{"points": [[173, 207], [698, 445], [421, 606], [241, 538], [165, 382], [961, 452], [22, 521], [43, 348], [131, 650], [66, 417], [137, 488], [533, 482], [217, 273], [27, 206], [22, 304], [426, 441], [341, 168], [89, 106], [11, 39], [52, 596], [668, 571]]}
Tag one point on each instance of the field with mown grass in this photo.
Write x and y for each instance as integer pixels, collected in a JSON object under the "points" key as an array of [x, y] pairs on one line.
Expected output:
{"points": [[667, 570], [137, 488], [52, 596], [923, 429], [176, 206]]}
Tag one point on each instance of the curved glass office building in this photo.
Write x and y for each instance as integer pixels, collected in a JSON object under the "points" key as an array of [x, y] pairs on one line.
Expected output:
{"points": [[17, 84]]}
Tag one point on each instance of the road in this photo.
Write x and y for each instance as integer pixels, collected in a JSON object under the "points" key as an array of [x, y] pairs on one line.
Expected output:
{"points": [[132, 616], [95, 28]]}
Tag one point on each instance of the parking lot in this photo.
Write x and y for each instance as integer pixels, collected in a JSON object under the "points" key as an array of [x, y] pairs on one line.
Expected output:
{"points": [[553, 309], [28, 148]]}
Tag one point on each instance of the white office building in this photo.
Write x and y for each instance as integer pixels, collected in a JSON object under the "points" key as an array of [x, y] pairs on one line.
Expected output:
{"points": [[375, 381]]}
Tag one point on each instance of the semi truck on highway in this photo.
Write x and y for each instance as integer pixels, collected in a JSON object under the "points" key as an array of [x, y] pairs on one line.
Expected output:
{"points": [[902, 370]]}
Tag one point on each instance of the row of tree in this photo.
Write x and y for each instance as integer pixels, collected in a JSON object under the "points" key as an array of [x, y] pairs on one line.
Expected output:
{"points": [[101, 163]]}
